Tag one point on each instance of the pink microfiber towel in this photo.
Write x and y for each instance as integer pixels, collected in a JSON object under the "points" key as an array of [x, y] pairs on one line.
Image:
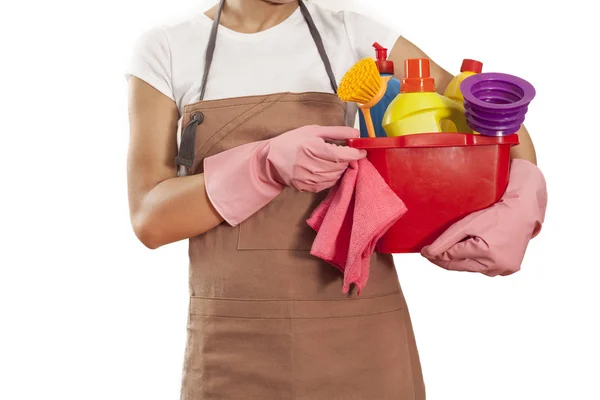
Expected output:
{"points": [[356, 213]]}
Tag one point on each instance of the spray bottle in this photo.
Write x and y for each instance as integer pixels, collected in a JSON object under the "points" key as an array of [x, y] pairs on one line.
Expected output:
{"points": [[386, 68]]}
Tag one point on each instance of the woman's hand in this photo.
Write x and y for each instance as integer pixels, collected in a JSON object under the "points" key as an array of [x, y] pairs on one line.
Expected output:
{"points": [[303, 159], [493, 241], [242, 180]]}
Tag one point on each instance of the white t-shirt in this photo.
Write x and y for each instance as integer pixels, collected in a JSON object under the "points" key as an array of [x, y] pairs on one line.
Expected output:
{"points": [[283, 58]]}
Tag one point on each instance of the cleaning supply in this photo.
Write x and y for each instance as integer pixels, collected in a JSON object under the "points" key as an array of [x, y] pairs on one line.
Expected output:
{"points": [[468, 68], [495, 103], [363, 85], [244, 179], [356, 213], [493, 241], [418, 108], [386, 68]]}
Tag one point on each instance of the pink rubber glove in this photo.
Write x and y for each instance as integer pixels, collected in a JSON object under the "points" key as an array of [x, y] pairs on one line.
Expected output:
{"points": [[242, 180], [493, 241]]}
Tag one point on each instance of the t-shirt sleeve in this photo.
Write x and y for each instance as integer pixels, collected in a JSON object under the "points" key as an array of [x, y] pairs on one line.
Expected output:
{"points": [[150, 61], [363, 31]]}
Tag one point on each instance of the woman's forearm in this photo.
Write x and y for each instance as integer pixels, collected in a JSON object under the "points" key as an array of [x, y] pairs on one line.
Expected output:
{"points": [[163, 208], [175, 209], [525, 150]]}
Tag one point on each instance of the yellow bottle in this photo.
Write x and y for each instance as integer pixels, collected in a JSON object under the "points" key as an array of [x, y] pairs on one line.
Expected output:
{"points": [[418, 108], [468, 68]]}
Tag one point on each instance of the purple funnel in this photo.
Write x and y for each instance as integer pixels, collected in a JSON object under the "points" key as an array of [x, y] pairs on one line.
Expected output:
{"points": [[495, 103]]}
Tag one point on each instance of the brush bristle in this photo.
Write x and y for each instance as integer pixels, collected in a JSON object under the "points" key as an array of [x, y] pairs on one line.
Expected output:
{"points": [[361, 83]]}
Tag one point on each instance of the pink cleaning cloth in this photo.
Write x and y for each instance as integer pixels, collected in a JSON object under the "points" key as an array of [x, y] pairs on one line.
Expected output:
{"points": [[356, 213]]}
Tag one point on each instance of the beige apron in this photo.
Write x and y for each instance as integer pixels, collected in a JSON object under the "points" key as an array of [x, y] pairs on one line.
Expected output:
{"points": [[267, 320]]}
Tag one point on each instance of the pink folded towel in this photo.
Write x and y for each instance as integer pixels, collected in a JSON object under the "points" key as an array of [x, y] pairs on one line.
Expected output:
{"points": [[356, 213]]}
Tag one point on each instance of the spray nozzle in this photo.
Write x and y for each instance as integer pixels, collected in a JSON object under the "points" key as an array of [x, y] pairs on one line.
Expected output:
{"points": [[381, 52], [383, 64]]}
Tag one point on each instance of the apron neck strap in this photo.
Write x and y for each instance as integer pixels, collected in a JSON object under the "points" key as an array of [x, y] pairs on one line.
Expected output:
{"points": [[319, 43], [212, 40]]}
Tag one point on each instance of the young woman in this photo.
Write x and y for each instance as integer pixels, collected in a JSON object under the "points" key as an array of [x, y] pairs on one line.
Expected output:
{"points": [[253, 83]]}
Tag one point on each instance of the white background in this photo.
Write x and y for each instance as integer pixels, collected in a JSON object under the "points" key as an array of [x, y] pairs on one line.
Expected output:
{"points": [[87, 312]]}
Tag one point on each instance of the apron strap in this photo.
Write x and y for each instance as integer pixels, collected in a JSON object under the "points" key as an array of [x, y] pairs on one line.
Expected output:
{"points": [[212, 40], [210, 48], [319, 42]]}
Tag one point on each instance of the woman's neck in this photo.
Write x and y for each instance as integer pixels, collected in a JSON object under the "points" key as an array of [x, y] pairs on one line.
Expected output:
{"points": [[252, 16]]}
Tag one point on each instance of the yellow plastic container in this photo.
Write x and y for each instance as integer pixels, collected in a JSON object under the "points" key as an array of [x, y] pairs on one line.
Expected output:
{"points": [[468, 68], [418, 108]]}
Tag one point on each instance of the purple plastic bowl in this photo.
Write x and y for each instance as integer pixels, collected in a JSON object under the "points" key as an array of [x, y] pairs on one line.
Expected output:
{"points": [[495, 103]]}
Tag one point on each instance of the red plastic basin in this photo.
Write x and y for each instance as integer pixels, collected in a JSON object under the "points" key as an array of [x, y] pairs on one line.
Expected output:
{"points": [[441, 177]]}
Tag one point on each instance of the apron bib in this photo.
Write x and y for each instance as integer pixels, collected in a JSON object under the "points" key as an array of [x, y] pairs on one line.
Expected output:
{"points": [[266, 319]]}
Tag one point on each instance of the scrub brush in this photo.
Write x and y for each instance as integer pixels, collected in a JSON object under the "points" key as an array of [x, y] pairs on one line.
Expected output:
{"points": [[362, 84]]}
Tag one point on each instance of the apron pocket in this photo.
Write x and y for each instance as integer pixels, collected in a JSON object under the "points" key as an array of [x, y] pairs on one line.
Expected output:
{"points": [[281, 224], [358, 357], [237, 357], [301, 349]]}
